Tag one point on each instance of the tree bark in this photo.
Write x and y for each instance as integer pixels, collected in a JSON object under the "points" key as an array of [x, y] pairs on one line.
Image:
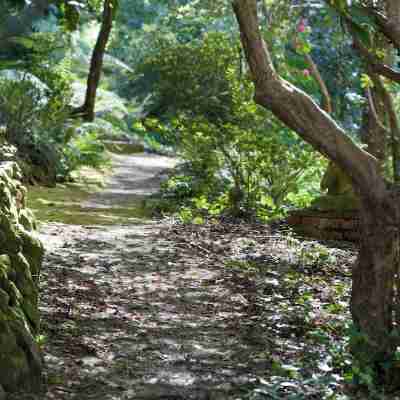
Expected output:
{"points": [[374, 131], [388, 22], [373, 274], [373, 279], [87, 110]]}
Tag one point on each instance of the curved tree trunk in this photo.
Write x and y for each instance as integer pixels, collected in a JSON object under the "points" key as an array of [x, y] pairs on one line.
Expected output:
{"points": [[372, 301], [86, 111]]}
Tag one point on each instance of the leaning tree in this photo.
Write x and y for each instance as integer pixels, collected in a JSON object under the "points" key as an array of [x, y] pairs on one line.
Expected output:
{"points": [[375, 275]]}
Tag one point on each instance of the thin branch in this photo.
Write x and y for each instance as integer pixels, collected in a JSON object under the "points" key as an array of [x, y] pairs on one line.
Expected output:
{"points": [[395, 132], [326, 98], [373, 112]]}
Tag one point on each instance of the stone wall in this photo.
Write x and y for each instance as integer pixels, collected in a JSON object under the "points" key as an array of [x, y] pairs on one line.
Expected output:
{"points": [[330, 217], [21, 256], [325, 225]]}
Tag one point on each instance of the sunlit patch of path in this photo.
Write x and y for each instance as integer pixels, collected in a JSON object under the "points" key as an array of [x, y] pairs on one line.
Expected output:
{"points": [[134, 177], [128, 318]]}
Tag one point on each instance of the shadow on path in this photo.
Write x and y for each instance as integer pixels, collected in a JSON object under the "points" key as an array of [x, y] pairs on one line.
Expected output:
{"points": [[152, 311], [129, 317]]}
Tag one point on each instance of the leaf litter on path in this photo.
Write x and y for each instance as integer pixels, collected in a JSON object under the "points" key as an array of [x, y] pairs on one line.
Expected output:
{"points": [[154, 310]]}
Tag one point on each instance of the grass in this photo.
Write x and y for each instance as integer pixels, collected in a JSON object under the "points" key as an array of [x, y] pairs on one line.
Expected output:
{"points": [[66, 203]]}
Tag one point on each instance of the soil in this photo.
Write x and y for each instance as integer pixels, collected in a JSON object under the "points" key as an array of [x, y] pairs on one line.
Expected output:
{"points": [[145, 309]]}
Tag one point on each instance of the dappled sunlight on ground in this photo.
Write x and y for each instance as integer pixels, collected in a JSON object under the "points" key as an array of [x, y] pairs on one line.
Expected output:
{"points": [[135, 321], [121, 201], [140, 312], [145, 310]]}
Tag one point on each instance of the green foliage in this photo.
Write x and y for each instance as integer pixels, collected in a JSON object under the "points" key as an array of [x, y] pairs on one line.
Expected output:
{"points": [[84, 149], [192, 76], [33, 123], [241, 159], [35, 104]]}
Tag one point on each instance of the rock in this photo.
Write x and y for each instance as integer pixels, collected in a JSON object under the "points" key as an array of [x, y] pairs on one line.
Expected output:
{"points": [[20, 263], [337, 203], [27, 220], [4, 300], [33, 251], [335, 181]]}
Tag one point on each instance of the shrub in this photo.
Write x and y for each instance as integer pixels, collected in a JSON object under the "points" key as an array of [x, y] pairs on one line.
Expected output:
{"points": [[242, 160], [36, 122], [84, 149], [32, 122]]}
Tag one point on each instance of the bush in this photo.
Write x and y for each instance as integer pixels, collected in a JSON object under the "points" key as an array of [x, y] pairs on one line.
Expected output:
{"points": [[35, 120], [254, 172], [32, 122], [84, 149], [241, 160]]}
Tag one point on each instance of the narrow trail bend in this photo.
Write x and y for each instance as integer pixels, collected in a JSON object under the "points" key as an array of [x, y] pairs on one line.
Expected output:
{"points": [[130, 314]]}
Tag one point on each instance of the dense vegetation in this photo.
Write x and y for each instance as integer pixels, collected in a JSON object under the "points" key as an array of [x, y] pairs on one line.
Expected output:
{"points": [[178, 77], [189, 92]]}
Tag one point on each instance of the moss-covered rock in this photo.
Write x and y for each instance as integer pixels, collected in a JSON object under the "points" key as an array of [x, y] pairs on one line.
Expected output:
{"points": [[10, 240], [337, 203], [3, 394], [336, 181], [20, 361], [4, 300], [21, 255], [27, 220], [33, 251], [15, 295]]}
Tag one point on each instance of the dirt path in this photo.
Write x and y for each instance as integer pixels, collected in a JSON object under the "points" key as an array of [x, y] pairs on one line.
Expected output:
{"points": [[134, 177], [149, 311], [127, 317]]}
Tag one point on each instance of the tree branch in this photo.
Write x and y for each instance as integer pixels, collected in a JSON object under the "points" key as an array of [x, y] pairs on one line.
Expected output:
{"points": [[389, 25], [373, 112], [298, 110], [377, 66], [326, 98], [394, 132]]}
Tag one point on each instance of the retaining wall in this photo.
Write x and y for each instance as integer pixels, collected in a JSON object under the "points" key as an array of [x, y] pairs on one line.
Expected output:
{"points": [[21, 255]]}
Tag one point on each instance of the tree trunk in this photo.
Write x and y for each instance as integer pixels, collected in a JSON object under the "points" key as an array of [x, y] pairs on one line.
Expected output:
{"points": [[374, 274], [372, 299], [86, 111]]}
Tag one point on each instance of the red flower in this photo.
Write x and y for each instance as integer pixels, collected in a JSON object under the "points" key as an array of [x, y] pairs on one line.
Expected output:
{"points": [[301, 27]]}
